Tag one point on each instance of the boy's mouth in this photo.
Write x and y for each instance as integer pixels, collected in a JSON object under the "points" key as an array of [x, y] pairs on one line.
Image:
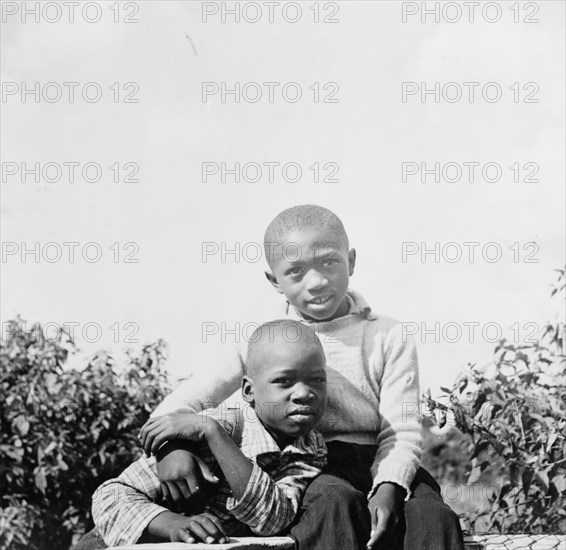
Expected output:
{"points": [[302, 415], [320, 300]]}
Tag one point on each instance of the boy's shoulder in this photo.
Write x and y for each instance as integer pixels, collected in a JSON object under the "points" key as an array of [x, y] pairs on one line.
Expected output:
{"points": [[230, 416], [360, 307], [246, 430]]}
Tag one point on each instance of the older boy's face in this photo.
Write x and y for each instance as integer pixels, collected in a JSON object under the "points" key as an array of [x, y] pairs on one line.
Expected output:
{"points": [[289, 389], [313, 269]]}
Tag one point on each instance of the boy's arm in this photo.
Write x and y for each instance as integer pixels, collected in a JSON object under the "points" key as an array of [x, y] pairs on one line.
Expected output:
{"points": [[123, 507], [265, 504], [214, 380], [236, 466], [399, 441]]}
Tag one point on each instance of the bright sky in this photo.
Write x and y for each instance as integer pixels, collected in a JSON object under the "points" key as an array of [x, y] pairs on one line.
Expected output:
{"points": [[368, 134]]}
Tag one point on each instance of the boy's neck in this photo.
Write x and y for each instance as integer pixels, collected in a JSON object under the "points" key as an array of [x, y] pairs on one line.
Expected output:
{"points": [[281, 439]]}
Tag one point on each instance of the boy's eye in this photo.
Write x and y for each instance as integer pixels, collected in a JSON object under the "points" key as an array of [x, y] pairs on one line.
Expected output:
{"points": [[319, 379], [330, 261], [281, 380], [294, 271]]}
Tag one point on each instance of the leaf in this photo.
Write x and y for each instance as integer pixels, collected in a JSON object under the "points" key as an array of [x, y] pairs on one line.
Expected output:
{"points": [[559, 481], [41, 480], [542, 476], [23, 427], [526, 478], [49, 448], [551, 439], [441, 420], [480, 446], [475, 474]]}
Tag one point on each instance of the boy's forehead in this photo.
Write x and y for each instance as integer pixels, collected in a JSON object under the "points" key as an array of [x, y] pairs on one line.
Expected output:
{"points": [[281, 354], [299, 243], [325, 234]]}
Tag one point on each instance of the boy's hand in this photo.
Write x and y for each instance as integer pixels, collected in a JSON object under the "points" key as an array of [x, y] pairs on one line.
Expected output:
{"points": [[200, 528], [181, 473], [159, 429], [385, 508], [203, 527]]}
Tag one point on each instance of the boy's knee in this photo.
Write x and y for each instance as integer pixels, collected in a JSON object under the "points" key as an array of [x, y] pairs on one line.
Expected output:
{"points": [[340, 494], [345, 493], [449, 518], [431, 512]]}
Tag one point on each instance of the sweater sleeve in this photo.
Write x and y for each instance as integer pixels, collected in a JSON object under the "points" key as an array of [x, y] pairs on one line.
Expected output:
{"points": [[399, 442], [209, 385]]}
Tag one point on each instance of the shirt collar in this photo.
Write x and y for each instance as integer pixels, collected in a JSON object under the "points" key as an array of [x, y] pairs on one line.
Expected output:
{"points": [[356, 302], [256, 440]]}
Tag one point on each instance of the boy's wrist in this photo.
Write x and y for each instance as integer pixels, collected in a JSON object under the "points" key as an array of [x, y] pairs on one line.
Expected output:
{"points": [[391, 490], [211, 429], [164, 524]]}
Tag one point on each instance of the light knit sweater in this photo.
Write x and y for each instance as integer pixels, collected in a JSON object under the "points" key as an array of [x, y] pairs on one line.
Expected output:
{"points": [[373, 388]]}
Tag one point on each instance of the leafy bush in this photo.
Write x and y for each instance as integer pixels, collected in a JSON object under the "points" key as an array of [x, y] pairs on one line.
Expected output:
{"points": [[515, 423], [65, 431]]}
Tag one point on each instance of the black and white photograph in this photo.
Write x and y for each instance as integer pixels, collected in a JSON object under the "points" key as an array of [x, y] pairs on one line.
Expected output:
{"points": [[283, 275]]}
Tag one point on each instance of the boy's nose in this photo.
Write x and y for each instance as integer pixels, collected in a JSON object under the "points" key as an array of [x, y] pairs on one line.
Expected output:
{"points": [[316, 280], [302, 392]]}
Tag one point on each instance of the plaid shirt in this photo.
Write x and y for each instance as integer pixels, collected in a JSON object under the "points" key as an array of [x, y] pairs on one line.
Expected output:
{"points": [[123, 507]]}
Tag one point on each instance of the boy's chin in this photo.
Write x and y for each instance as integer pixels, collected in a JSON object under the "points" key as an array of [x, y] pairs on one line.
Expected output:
{"points": [[320, 314], [300, 430], [326, 312]]}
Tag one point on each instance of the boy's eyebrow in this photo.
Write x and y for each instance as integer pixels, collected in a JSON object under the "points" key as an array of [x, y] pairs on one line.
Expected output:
{"points": [[318, 370], [319, 255], [294, 262], [281, 370], [277, 371]]}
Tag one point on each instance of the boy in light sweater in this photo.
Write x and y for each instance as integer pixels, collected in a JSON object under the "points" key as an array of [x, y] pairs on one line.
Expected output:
{"points": [[372, 492]]}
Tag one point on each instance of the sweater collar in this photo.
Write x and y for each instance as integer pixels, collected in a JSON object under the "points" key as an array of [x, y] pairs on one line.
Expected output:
{"points": [[357, 305]]}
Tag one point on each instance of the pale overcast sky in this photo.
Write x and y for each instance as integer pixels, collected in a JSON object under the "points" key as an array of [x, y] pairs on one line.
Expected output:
{"points": [[367, 134]]}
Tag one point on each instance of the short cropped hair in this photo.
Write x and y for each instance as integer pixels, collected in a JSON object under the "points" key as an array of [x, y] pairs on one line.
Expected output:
{"points": [[280, 331], [298, 218]]}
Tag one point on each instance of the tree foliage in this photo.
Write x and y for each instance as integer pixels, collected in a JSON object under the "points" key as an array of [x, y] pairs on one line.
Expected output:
{"points": [[64, 431], [514, 420]]}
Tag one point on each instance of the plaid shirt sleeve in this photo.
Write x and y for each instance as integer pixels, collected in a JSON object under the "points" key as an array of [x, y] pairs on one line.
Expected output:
{"points": [[271, 502], [123, 507]]}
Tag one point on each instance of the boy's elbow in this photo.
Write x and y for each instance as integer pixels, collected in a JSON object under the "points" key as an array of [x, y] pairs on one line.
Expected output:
{"points": [[97, 504], [273, 524], [268, 530], [105, 503]]}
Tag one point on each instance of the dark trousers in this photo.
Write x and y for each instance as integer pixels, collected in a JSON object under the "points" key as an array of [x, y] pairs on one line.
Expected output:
{"points": [[334, 513]]}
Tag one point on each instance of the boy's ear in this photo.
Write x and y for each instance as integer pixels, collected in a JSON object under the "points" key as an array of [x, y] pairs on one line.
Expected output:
{"points": [[272, 279], [352, 260], [248, 390]]}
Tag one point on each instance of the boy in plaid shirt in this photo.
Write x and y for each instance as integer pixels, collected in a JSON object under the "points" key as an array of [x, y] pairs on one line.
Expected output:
{"points": [[264, 454]]}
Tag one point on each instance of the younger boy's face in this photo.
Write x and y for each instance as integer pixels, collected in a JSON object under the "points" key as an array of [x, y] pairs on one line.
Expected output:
{"points": [[312, 268], [288, 389]]}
